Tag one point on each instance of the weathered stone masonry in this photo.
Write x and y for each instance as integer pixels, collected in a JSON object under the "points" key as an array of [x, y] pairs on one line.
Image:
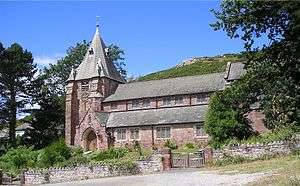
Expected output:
{"points": [[56, 175], [256, 150]]}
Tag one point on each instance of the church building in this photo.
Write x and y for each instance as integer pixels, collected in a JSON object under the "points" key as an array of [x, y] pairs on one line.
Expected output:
{"points": [[103, 110]]}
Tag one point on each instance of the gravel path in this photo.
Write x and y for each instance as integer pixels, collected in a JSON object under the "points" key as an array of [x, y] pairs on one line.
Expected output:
{"points": [[172, 178]]}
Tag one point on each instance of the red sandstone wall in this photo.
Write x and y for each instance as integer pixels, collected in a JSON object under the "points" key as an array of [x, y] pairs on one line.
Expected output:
{"points": [[180, 133], [257, 121], [77, 106]]}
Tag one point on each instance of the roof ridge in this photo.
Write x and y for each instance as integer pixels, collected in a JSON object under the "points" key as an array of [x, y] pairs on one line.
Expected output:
{"points": [[215, 73]]}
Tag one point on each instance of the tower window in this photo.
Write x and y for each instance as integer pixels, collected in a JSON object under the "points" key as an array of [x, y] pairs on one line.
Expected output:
{"points": [[85, 86]]}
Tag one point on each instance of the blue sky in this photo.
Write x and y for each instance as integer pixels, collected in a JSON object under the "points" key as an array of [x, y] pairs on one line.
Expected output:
{"points": [[155, 35]]}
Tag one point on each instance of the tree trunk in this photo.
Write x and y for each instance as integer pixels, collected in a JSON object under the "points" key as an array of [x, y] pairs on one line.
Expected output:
{"points": [[12, 119]]}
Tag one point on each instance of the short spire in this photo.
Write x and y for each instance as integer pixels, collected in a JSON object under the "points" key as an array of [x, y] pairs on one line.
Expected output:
{"points": [[95, 62]]}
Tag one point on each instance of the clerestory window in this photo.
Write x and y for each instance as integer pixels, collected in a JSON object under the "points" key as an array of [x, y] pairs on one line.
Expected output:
{"points": [[135, 103], [146, 103], [202, 98], [167, 101], [178, 100]]}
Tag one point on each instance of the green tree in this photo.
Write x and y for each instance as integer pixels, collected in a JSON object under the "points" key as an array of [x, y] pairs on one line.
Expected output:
{"points": [[16, 74], [116, 56], [225, 119], [48, 120], [55, 75], [275, 65]]}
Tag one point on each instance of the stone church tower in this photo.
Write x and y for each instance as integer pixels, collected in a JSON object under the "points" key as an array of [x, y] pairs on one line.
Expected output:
{"points": [[87, 86]]}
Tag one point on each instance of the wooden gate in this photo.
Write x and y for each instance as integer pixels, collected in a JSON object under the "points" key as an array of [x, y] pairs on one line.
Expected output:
{"points": [[188, 160]]}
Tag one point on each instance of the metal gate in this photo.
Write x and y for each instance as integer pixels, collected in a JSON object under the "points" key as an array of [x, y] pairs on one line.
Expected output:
{"points": [[188, 160]]}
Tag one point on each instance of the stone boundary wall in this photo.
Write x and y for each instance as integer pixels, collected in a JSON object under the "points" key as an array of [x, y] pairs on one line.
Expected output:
{"points": [[56, 175], [258, 150]]}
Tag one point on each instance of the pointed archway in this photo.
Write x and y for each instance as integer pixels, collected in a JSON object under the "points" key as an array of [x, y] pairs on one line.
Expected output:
{"points": [[90, 139]]}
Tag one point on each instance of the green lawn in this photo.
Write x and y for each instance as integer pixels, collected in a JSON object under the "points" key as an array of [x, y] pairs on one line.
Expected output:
{"points": [[283, 170]]}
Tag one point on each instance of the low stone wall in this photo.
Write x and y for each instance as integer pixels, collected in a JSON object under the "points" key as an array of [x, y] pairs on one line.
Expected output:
{"points": [[56, 175], [258, 150]]}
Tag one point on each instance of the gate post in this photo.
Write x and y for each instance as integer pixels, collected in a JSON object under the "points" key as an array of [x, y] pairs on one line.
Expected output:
{"points": [[208, 153], [22, 177], [166, 159], [188, 160], [1, 176]]}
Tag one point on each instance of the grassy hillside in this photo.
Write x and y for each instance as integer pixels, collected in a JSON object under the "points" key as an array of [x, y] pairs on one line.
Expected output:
{"points": [[205, 65]]}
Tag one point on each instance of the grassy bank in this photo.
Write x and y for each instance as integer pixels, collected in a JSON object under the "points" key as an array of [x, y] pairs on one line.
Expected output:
{"points": [[282, 170]]}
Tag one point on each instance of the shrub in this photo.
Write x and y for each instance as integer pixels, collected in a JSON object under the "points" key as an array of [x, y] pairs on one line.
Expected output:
{"points": [[226, 160], [225, 119], [275, 135], [190, 145], [109, 154], [137, 147], [55, 153], [170, 144], [121, 165], [16, 159]]}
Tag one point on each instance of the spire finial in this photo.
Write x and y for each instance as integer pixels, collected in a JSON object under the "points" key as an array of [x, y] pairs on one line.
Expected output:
{"points": [[97, 21]]}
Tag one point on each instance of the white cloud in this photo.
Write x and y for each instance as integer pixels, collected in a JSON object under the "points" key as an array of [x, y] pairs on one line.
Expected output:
{"points": [[44, 60]]}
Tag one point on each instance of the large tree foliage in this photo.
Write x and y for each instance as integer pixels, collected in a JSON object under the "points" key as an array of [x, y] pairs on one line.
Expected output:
{"points": [[274, 67], [16, 74], [115, 54], [48, 120], [55, 75], [226, 116]]}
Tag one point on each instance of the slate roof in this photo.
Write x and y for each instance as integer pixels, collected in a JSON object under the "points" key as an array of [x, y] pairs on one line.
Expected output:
{"points": [[102, 117], [175, 115], [235, 71], [165, 87], [96, 64]]}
